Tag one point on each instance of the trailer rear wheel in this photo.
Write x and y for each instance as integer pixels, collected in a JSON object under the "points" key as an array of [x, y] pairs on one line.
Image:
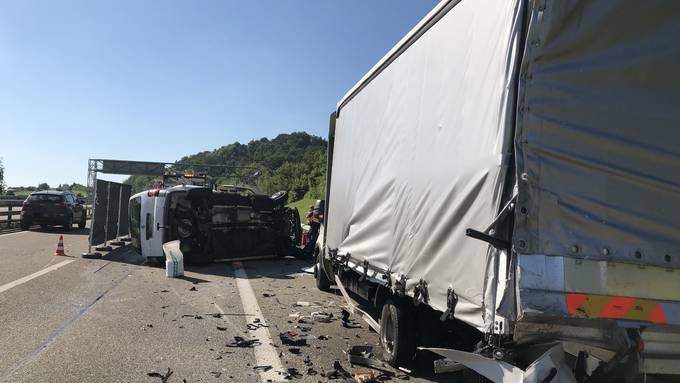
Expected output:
{"points": [[397, 333]]}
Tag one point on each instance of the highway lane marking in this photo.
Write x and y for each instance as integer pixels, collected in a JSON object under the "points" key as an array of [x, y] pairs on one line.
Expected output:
{"points": [[16, 232], [265, 353], [27, 278]]}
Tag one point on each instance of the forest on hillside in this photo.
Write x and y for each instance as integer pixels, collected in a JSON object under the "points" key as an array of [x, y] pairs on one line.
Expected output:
{"points": [[295, 162]]}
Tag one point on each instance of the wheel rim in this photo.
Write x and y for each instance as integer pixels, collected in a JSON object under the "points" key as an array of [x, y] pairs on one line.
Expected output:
{"points": [[387, 337]]}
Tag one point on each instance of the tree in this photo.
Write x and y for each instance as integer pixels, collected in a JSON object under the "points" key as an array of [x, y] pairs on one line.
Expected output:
{"points": [[43, 186]]}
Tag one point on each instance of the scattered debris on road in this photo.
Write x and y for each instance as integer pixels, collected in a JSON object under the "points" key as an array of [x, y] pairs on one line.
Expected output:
{"points": [[240, 342], [338, 372], [164, 378], [363, 356], [292, 338], [347, 322]]}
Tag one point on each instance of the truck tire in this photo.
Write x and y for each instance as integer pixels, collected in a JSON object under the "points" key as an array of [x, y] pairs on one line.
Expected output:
{"points": [[83, 221], [323, 283], [397, 333]]}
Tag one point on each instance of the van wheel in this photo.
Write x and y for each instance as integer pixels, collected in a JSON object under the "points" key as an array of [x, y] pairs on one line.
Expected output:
{"points": [[397, 333], [25, 225], [323, 283], [83, 221]]}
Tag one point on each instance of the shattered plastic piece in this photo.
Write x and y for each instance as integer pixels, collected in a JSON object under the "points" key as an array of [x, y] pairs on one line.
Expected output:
{"points": [[263, 368], [361, 355], [164, 378], [221, 328], [302, 304], [216, 374], [323, 337], [240, 342], [268, 295], [365, 376], [311, 372], [293, 373], [338, 372], [294, 350], [291, 338], [321, 316]]}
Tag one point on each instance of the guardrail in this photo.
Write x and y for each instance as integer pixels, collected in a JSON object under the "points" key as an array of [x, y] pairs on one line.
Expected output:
{"points": [[8, 208], [10, 211]]}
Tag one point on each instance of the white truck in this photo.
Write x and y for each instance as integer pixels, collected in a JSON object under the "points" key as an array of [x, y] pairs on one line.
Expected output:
{"points": [[503, 188], [228, 224]]}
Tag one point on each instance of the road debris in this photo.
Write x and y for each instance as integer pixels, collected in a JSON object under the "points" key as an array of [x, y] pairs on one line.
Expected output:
{"points": [[293, 373], [294, 350], [362, 355], [347, 322], [240, 342], [216, 374], [322, 316], [193, 288], [365, 376], [221, 328], [292, 338], [338, 372], [256, 323], [268, 295], [263, 368], [164, 378], [302, 304]]}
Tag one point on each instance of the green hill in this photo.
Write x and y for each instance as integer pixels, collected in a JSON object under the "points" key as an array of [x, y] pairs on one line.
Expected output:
{"points": [[295, 162]]}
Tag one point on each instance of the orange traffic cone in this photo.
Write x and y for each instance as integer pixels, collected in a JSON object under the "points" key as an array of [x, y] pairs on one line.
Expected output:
{"points": [[60, 247]]}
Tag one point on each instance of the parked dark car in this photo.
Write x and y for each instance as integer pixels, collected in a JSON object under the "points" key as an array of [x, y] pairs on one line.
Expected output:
{"points": [[53, 208]]}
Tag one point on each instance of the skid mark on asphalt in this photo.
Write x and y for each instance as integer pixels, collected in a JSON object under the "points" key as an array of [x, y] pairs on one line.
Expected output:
{"points": [[37, 274], [60, 330], [265, 353]]}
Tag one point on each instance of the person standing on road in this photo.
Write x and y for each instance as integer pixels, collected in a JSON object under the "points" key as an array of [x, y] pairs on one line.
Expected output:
{"points": [[314, 218], [310, 215]]}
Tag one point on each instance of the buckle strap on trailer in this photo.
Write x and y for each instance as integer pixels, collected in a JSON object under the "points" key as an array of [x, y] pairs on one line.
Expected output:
{"points": [[451, 301], [420, 294], [365, 274], [400, 286]]}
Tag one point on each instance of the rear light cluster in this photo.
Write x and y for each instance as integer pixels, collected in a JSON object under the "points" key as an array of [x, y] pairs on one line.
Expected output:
{"points": [[26, 203], [154, 193]]}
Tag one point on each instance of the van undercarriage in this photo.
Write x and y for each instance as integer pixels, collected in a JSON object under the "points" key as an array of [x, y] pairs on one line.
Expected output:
{"points": [[214, 225]]}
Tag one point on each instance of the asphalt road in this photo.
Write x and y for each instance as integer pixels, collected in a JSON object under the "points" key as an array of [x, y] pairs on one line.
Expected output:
{"points": [[66, 319]]}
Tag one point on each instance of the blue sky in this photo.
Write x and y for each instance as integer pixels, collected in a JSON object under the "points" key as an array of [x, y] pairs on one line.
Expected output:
{"points": [[156, 80]]}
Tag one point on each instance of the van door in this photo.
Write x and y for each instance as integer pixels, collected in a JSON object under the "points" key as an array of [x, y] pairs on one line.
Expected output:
{"points": [[151, 233]]}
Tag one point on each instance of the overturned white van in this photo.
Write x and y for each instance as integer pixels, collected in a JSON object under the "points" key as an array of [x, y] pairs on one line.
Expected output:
{"points": [[234, 223]]}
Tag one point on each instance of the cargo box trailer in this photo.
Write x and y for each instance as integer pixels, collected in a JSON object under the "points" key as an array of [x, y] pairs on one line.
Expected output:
{"points": [[505, 184]]}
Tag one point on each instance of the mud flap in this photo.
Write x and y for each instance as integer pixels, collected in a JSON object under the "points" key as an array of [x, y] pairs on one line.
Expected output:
{"points": [[549, 368]]}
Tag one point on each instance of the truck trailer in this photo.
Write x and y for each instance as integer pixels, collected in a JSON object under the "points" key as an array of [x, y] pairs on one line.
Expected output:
{"points": [[503, 189]]}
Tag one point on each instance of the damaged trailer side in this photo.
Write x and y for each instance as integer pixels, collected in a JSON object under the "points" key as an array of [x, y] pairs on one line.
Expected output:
{"points": [[514, 168]]}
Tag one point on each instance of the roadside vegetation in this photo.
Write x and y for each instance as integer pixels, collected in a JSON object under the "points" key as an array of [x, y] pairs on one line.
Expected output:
{"points": [[295, 162]]}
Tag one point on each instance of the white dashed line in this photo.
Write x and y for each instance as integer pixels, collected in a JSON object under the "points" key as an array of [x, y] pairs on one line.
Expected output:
{"points": [[265, 353], [27, 278]]}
